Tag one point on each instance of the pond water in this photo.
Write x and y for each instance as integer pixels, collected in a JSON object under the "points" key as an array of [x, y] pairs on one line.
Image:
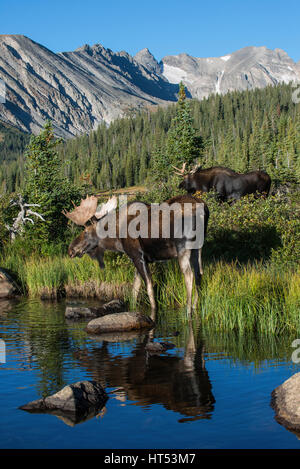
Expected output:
{"points": [[211, 390]]}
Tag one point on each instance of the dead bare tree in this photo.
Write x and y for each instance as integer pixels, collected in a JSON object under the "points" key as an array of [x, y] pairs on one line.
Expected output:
{"points": [[24, 216]]}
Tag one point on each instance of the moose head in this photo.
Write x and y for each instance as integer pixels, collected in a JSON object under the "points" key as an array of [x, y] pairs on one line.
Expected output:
{"points": [[87, 214]]}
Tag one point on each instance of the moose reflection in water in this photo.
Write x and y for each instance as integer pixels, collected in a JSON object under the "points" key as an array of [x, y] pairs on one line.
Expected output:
{"points": [[180, 384]]}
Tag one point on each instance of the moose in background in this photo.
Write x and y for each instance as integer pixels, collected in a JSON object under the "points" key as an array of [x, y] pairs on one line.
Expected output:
{"points": [[229, 185]]}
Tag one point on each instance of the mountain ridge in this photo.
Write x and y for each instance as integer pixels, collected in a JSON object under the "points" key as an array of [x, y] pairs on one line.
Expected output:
{"points": [[77, 90]]}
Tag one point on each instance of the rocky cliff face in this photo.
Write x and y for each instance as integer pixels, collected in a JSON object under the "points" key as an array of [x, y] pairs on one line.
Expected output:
{"points": [[80, 89], [248, 68], [76, 90]]}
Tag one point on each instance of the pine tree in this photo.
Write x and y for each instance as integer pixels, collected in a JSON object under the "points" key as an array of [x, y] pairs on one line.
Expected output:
{"points": [[45, 185], [183, 145]]}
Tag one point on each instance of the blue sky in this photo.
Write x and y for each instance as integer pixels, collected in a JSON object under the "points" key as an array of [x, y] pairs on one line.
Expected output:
{"points": [[199, 28]]}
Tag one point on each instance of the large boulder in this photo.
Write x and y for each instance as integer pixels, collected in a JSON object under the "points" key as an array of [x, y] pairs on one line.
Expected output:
{"points": [[8, 287], [286, 403], [82, 312], [127, 321], [74, 403]]}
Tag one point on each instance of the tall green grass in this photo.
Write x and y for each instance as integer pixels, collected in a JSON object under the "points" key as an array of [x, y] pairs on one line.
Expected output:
{"points": [[249, 297], [240, 297], [55, 276]]}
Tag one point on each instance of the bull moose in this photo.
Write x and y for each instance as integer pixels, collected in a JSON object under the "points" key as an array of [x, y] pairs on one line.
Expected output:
{"points": [[229, 185], [146, 248]]}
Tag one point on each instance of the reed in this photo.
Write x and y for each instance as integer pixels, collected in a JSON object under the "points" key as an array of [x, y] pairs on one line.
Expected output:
{"points": [[250, 297]]}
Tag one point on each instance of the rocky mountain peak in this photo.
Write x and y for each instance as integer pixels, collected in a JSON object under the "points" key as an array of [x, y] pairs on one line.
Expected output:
{"points": [[248, 68], [78, 90], [145, 58]]}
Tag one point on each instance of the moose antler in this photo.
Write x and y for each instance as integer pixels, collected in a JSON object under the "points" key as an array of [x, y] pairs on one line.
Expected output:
{"points": [[178, 171], [195, 168], [88, 209], [111, 204]]}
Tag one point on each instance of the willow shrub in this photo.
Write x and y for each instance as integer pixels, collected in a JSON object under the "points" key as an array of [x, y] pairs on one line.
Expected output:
{"points": [[254, 229]]}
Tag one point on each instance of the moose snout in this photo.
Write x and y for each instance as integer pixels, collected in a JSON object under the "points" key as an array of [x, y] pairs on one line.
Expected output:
{"points": [[71, 252]]}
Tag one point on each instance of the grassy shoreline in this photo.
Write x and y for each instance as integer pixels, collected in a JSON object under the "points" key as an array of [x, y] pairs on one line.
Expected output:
{"points": [[253, 296]]}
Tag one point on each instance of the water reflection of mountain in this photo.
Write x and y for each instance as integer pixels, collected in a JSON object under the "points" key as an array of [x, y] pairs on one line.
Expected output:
{"points": [[180, 384]]}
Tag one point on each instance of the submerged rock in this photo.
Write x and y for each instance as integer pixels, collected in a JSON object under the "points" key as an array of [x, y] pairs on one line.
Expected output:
{"points": [[8, 287], [158, 347], [118, 336], [79, 312], [73, 418], [127, 321], [6, 306], [74, 403], [286, 403]]}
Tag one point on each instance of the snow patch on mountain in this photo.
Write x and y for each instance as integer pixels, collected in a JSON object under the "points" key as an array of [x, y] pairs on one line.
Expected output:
{"points": [[175, 74]]}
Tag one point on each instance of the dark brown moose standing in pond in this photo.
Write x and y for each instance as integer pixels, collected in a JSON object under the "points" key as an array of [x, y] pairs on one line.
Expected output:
{"points": [[160, 240], [229, 185]]}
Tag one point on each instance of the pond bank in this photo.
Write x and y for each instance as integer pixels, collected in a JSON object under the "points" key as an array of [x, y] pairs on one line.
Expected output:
{"points": [[253, 296]]}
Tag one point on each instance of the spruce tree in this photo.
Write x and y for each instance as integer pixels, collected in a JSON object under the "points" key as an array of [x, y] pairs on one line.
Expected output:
{"points": [[183, 145], [46, 185]]}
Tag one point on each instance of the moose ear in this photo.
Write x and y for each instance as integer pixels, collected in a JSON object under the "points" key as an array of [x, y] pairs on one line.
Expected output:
{"points": [[104, 209]]}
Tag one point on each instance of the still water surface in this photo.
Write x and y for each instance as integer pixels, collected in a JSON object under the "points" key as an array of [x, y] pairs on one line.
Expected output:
{"points": [[212, 390]]}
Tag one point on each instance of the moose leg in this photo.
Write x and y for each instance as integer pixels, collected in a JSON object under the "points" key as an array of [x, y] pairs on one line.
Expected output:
{"points": [[184, 258], [196, 260], [143, 270], [190, 350], [136, 285], [134, 249]]}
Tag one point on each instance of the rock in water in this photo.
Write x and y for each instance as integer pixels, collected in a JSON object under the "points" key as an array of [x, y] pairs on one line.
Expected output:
{"points": [[78, 312], [113, 306], [78, 398], [118, 336], [8, 287], [119, 322], [286, 403], [158, 347]]}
